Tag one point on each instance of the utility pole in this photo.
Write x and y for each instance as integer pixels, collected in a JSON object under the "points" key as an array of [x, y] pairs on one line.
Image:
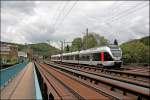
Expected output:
{"points": [[87, 37], [61, 49], [50, 53], [64, 45], [49, 42], [87, 31]]}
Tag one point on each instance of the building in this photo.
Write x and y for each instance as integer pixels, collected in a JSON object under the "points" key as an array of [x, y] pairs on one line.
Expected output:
{"points": [[8, 53], [22, 56]]}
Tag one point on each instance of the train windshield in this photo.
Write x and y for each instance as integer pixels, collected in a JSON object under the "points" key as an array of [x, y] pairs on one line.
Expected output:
{"points": [[113, 46], [116, 53]]}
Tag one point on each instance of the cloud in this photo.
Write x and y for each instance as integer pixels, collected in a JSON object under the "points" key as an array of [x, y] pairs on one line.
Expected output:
{"points": [[39, 21]]}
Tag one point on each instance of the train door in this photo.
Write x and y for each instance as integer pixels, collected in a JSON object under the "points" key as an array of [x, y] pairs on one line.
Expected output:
{"points": [[102, 56], [91, 59], [101, 59]]}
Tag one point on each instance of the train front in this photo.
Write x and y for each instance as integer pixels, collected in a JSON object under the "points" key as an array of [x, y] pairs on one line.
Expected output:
{"points": [[116, 53]]}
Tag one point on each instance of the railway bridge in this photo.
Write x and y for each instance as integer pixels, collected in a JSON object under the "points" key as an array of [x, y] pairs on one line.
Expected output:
{"points": [[50, 81]]}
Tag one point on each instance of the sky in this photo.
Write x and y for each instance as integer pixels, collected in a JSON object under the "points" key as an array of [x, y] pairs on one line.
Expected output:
{"points": [[55, 21]]}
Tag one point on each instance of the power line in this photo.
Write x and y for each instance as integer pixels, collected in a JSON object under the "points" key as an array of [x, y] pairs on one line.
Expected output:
{"points": [[113, 8], [131, 11], [59, 6], [61, 12], [68, 12], [127, 14], [110, 26], [107, 22], [122, 12]]}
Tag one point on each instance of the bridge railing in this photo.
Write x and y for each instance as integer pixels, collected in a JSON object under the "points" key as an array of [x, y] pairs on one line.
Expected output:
{"points": [[37, 86], [8, 73]]}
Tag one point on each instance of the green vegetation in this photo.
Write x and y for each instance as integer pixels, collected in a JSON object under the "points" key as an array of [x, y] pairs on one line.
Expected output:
{"points": [[76, 44], [89, 41], [41, 49], [136, 51]]}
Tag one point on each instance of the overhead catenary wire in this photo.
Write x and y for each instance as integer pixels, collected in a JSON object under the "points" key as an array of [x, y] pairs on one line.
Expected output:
{"points": [[60, 13], [128, 12], [132, 11], [113, 8], [68, 12], [57, 10], [120, 14]]}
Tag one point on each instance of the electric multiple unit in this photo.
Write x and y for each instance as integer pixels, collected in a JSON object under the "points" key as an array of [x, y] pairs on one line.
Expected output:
{"points": [[102, 56]]}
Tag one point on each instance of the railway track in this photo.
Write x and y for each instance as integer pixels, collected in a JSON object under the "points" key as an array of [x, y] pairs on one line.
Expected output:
{"points": [[133, 76], [139, 83], [137, 90], [60, 86], [139, 69]]}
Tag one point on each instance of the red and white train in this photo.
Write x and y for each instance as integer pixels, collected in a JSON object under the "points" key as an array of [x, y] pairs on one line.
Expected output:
{"points": [[107, 56]]}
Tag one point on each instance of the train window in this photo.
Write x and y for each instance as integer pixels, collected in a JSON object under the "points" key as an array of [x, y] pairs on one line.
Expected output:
{"points": [[96, 56], [85, 57], [76, 57], [116, 53], [71, 57], [107, 57], [65, 57], [68, 57]]}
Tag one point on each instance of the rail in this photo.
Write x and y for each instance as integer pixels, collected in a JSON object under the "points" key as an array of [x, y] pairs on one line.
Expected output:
{"points": [[141, 91], [147, 85], [130, 73], [75, 88]]}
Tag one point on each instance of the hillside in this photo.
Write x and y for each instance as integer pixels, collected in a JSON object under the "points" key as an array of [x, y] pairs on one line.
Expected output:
{"points": [[144, 40], [42, 49], [136, 51]]}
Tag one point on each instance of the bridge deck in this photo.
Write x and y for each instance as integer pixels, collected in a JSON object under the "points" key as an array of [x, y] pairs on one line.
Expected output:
{"points": [[22, 86]]}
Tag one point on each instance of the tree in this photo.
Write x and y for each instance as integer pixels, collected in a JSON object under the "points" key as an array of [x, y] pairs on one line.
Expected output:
{"points": [[89, 41], [67, 48], [135, 52], [101, 40], [115, 42], [76, 44]]}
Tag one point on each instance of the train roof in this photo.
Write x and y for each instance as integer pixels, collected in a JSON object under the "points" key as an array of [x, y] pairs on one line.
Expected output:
{"points": [[71, 53], [91, 50], [58, 55], [94, 50]]}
